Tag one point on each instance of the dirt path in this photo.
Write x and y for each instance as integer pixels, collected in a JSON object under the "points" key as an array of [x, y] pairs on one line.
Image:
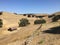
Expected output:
{"points": [[29, 40], [19, 35]]}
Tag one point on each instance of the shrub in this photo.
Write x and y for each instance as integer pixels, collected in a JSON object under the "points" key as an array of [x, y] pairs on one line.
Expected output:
{"points": [[39, 21], [15, 13], [1, 23], [29, 15], [23, 22], [0, 19], [0, 13], [40, 42], [56, 18], [33, 15], [24, 14], [50, 16]]}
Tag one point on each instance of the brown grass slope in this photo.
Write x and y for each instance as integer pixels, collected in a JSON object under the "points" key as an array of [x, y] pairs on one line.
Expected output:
{"points": [[21, 35]]}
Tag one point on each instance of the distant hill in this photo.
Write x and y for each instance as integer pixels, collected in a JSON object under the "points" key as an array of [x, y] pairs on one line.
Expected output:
{"points": [[13, 19], [56, 13]]}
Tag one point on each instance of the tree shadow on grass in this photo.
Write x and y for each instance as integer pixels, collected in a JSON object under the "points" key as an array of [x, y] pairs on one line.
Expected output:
{"points": [[54, 30]]}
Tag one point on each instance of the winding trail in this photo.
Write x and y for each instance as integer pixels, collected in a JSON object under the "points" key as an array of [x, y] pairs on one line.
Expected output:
{"points": [[29, 40], [19, 35]]}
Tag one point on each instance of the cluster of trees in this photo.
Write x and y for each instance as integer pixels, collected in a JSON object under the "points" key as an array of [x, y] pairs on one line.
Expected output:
{"points": [[55, 18], [1, 23], [39, 21], [25, 22], [0, 13]]}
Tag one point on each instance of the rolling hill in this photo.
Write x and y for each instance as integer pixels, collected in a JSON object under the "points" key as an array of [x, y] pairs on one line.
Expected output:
{"points": [[31, 34]]}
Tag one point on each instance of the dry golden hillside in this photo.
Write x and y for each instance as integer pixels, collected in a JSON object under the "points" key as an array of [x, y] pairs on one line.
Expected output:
{"points": [[12, 19], [45, 34]]}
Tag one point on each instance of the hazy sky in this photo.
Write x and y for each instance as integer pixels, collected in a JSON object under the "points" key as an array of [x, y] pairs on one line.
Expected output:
{"points": [[30, 6]]}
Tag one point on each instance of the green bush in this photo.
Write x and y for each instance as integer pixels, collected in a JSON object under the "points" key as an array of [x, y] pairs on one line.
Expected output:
{"points": [[0, 13], [0, 19], [56, 18], [1, 23], [39, 21], [23, 22], [15, 13], [24, 14]]}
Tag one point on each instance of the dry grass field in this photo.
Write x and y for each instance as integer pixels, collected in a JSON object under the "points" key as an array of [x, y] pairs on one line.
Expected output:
{"points": [[48, 34]]}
